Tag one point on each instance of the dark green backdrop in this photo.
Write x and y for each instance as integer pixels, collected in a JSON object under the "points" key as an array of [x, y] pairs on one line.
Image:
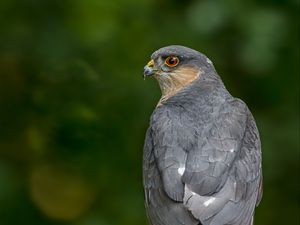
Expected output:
{"points": [[74, 107]]}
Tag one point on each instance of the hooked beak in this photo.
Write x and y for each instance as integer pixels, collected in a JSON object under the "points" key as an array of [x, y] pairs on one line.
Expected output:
{"points": [[149, 69]]}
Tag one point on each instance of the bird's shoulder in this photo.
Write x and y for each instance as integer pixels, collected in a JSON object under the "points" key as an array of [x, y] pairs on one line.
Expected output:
{"points": [[199, 111], [163, 112]]}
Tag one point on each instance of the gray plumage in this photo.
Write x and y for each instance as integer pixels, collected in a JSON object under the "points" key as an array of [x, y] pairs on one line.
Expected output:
{"points": [[202, 156]]}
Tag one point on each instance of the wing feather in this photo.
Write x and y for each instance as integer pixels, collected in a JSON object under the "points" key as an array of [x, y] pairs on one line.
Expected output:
{"points": [[210, 164]]}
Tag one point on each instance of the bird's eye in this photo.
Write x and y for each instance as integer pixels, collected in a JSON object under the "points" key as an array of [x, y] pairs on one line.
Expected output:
{"points": [[171, 61]]}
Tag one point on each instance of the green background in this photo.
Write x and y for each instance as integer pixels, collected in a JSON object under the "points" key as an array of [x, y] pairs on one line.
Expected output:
{"points": [[74, 107]]}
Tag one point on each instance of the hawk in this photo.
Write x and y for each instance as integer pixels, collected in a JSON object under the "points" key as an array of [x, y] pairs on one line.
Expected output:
{"points": [[202, 152]]}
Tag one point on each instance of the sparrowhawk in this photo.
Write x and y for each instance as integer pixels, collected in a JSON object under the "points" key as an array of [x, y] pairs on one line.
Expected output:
{"points": [[202, 153]]}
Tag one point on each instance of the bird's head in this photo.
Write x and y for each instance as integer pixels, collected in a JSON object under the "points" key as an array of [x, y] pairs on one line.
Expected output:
{"points": [[175, 67]]}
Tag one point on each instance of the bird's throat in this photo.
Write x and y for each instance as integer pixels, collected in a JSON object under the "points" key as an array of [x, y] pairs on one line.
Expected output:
{"points": [[177, 80]]}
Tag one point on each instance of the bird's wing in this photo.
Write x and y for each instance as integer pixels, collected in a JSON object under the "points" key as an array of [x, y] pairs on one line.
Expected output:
{"points": [[196, 163], [170, 156], [161, 208], [218, 145], [223, 175]]}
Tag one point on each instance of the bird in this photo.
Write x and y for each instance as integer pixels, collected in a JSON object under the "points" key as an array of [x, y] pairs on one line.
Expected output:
{"points": [[202, 151]]}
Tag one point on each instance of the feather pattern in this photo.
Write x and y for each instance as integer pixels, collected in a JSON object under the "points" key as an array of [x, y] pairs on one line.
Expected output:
{"points": [[202, 158]]}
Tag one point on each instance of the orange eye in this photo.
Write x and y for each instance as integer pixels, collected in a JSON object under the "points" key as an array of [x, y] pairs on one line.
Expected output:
{"points": [[172, 61]]}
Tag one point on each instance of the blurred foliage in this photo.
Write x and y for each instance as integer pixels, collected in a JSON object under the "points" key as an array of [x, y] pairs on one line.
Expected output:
{"points": [[74, 108]]}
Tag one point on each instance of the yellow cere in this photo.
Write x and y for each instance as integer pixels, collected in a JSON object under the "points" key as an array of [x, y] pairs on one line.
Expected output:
{"points": [[150, 63]]}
